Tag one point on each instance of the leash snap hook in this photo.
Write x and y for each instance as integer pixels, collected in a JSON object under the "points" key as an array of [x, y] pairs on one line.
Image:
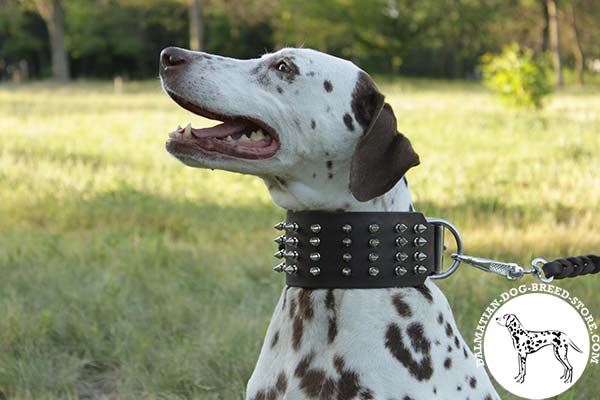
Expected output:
{"points": [[439, 226], [537, 264]]}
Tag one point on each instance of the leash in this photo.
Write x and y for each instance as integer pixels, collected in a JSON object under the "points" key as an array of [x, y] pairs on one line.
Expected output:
{"points": [[362, 250]]}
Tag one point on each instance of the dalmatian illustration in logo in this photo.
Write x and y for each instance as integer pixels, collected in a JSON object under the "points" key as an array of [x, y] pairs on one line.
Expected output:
{"points": [[527, 342]]}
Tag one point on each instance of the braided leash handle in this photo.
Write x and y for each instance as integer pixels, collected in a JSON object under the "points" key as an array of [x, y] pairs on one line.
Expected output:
{"points": [[571, 267]]}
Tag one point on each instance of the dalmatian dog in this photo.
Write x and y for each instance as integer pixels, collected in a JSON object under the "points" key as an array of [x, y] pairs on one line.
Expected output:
{"points": [[317, 131], [528, 342]]}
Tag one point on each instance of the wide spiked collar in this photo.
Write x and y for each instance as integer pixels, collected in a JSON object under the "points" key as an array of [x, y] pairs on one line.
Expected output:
{"points": [[359, 249]]}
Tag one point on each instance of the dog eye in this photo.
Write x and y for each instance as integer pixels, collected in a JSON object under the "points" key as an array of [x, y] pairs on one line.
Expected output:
{"points": [[282, 66]]}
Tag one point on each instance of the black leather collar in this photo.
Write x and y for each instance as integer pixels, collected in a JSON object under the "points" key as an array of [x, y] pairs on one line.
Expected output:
{"points": [[358, 249]]}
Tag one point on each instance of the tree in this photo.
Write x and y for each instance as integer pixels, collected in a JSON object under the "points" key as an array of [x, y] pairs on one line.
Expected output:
{"points": [[576, 44], [196, 17], [52, 13], [554, 39]]}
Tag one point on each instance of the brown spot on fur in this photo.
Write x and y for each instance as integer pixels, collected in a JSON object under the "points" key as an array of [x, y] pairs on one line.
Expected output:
{"points": [[488, 397], [402, 308], [394, 342], [275, 339], [281, 384], [348, 122], [348, 385], [311, 73], [329, 164], [449, 330], [407, 398], [473, 382], [338, 363], [328, 86], [424, 290], [448, 363], [297, 332], [279, 89], [362, 99], [366, 395], [456, 342], [305, 303], [458, 388], [332, 329], [417, 337], [303, 365], [440, 319], [313, 124], [312, 382], [465, 352], [284, 297]]}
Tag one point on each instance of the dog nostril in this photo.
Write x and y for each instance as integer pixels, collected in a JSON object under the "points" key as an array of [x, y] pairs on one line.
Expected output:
{"points": [[171, 60]]}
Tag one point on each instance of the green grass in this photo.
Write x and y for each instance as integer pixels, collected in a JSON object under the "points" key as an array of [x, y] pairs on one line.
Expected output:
{"points": [[124, 274]]}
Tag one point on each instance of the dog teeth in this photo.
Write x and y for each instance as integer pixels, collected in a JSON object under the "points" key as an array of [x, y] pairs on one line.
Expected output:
{"points": [[257, 135], [188, 131], [244, 138], [228, 139]]}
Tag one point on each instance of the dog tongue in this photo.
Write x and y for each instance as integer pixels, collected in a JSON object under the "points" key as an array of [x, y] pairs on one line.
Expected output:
{"points": [[221, 130]]}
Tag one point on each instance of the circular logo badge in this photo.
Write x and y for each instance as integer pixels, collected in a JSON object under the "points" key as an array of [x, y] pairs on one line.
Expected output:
{"points": [[536, 345]]}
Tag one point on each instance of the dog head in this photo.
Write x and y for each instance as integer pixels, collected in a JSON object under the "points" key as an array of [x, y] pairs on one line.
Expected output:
{"points": [[302, 120], [508, 320]]}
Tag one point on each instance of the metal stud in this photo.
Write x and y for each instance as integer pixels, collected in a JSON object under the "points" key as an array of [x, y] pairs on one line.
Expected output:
{"points": [[280, 254], [401, 256], [291, 254], [420, 228], [279, 226], [400, 271], [314, 271], [373, 257], [420, 256], [420, 269], [315, 241], [292, 226], [280, 239], [346, 228], [420, 241], [346, 242], [346, 271], [373, 228], [373, 271], [401, 241], [315, 228], [374, 242], [279, 267], [315, 256], [399, 228], [346, 257], [291, 269], [291, 241]]}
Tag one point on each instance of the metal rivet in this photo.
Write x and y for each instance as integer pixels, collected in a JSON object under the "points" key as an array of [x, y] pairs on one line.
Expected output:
{"points": [[420, 241], [315, 256], [291, 269], [346, 242], [373, 257], [420, 228], [279, 226], [347, 228], [420, 269], [373, 271], [399, 228], [400, 271], [314, 271], [346, 271], [315, 228], [347, 257], [315, 241], [291, 241], [420, 256], [292, 226], [280, 239], [401, 256], [401, 241], [279, 267], [291, 254], [279, 254], [374, 242], [373, 228]]}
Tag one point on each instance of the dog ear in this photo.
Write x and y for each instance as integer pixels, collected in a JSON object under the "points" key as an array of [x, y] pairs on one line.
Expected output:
{"points": [[382, 155]]}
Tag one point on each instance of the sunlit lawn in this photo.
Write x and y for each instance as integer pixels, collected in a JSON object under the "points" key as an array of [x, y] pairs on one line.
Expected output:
{"points": [[124, 274]]}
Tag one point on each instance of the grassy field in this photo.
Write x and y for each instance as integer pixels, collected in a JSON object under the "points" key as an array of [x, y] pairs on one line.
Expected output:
{"points": [[124, 274]]}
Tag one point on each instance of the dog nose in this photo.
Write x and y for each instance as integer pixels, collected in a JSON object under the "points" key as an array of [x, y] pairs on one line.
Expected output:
{"points": [[173, 56]]}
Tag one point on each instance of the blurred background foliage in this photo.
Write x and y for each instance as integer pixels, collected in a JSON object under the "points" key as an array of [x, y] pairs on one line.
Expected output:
{"points": [[435, 38]]}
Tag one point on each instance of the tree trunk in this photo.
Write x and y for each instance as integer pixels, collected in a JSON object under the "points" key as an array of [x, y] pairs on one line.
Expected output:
{"points": [[554, 39], [196, 25], [545, 28], [52, 13], [577, 49]]}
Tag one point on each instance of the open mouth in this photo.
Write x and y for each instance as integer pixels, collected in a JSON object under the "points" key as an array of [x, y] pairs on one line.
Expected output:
{"points": [[240, 137]]}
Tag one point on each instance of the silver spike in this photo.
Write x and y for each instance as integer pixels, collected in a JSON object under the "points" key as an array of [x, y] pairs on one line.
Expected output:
{"points": [[315, 256], [279, 226], [420, 241], [373, 257], [373, 228], [279, 267], [291, 254], [420, 256], [401, 256], [346, 228], [315, 228], [374, 242], [314, 271], [346, 257], [420, 228], [373, 271], [400, 271], [280, 254], [291, 241], [399, 228], [315, 241], [291, 269], [420, 269], [401, 241], [291, 226], [280, 239], [346, 271], [346, 242]]}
